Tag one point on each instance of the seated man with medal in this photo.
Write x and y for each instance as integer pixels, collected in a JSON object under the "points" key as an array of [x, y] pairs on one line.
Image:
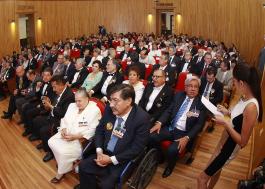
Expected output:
{"points": [[122, 134], [180, 123]]}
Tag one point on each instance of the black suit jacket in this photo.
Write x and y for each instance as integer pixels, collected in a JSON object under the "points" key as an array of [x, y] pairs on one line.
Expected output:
{"points": [[48, 92], [70, 72], [32, 64], [116, 79], [216, 93], [25, 83], [174, 62], [60, 109], [135, 138], [181, 65], [161, 102], [170, 74], [122, 54], [80, 79], [193, 124]]}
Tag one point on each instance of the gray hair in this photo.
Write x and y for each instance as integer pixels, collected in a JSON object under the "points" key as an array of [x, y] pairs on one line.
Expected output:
{"points": [[191, 78], [173, 47], [81, 60], [82, 92]]}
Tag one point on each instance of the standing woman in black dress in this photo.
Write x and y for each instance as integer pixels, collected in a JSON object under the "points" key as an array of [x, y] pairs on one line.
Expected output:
{"points": [[238, 129]]}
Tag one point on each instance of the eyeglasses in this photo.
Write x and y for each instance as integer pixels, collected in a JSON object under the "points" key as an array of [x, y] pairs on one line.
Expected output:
{"points": [[114, 101], [157, 76], [193, 86]]}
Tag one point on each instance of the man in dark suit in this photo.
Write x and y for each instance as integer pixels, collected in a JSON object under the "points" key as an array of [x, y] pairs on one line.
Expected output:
{"points": [[69, 68], [111, 55], [32, 65], [211, 88], [164, 65], [80, 74], [34, 106], [87, 56], [185, 64], [173, 58], [59, 67], [192, 49], [22, 84], [44, 125], [180, 123], [157, 95], [7, 75], [202, 67], [198, 58], [120, 136], [126, 53], [110, 78], [140, 47]]}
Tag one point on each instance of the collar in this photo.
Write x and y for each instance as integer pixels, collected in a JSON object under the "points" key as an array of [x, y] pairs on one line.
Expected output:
{"points": [[159, 88], [124, 117]]}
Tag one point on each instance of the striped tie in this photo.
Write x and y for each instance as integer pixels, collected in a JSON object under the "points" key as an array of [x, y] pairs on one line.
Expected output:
{"points": [[205, 94], [182, 109]]}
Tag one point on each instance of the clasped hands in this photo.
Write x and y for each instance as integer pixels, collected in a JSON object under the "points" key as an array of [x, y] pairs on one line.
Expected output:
{"points": [[102, 159], [69, 137]]}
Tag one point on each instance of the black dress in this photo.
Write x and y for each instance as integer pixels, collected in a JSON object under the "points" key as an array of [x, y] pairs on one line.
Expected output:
{"points": [[230, 147]]}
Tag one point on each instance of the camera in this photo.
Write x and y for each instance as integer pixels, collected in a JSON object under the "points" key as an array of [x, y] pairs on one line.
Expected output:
{"points": [[258, 181]]}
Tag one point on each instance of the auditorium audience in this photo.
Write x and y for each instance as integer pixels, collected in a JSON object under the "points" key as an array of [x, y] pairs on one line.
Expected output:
{"points": [[43, 104], [80, 122]]}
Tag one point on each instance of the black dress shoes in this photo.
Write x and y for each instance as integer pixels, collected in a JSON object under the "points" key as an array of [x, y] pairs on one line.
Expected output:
{"points": [[6, 116], [77, 186], [39, 146], [167, 172], [48, 157], [33, 138]]}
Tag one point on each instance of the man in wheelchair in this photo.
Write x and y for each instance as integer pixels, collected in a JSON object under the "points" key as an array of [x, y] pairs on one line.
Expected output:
{"points": [[121, 135], [180, 123]]}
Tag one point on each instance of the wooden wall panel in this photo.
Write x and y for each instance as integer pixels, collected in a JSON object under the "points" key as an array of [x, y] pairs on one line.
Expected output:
{"points": [[238, 21]]}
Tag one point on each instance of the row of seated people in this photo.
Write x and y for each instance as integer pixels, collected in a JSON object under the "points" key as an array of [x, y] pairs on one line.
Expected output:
{"points": [[42, 105]]}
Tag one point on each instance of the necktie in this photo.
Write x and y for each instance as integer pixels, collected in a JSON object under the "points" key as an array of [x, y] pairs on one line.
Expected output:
{"points": [[206, 90], [113, 140], [182, 109], [204, 70], [170, 60], [20, 83]]}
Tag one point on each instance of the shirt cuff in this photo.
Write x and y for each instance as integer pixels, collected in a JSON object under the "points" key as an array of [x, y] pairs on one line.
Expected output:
{"points": [[114, 160], [99, 150], [105, 98]]}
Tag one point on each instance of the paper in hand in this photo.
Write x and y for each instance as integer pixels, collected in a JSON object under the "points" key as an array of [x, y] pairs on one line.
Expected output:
{"points": [[212, 108]]}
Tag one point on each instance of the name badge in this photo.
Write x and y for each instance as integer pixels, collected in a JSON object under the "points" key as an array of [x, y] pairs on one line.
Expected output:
{"points": [[193, 113], [119, 133], [82, 124]]}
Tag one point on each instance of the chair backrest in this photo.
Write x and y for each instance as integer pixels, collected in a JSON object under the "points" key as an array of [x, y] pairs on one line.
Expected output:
{"points": [[180, 86], [148, 71], [99, 103]]}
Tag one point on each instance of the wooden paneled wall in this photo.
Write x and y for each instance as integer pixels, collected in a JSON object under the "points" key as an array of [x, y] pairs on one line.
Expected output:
{"points": [[237, 21]]}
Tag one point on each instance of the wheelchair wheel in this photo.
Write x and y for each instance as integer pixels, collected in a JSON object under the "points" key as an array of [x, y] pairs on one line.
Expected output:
{"points": [[145, 171]]}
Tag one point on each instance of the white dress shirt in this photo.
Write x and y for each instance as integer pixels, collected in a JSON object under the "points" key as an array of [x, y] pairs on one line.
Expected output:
{"points": [[181, 123], [105, 85], [153, 96]]}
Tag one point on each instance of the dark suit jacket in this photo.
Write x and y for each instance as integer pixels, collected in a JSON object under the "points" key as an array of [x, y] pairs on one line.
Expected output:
{"points": [[216, 94], [170, 74], [181, 65], [60, 109], [116, 79], [9, 74], [25, 83], [70, 72], [174, 62], [122, 54], [138, 49], [80, 79], [48, 92], [32, 64], [161, 102], [193, 124], [135, 138]]}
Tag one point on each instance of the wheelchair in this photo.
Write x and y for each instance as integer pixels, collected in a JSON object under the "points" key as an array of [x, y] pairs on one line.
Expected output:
{"points": [[138, 172]]}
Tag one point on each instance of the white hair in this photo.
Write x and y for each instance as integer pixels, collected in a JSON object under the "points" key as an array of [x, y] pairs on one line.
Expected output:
{"points": [[191, 78]]}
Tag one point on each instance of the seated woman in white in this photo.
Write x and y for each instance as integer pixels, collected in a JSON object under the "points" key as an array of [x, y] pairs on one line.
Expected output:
{"points": [[134, 80], [79, 122]]}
